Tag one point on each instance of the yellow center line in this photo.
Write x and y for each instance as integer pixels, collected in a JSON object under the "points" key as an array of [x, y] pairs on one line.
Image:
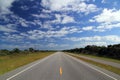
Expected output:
{"points": [[61, 71]]}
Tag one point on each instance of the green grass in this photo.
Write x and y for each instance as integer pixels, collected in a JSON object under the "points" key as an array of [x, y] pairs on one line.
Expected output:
{"points": [[102, 58], [105, 66], [8, 63]]}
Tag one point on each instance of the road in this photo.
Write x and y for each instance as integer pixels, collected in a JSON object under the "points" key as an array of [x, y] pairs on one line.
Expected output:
{"points": [[117, 65], [59, 66]]}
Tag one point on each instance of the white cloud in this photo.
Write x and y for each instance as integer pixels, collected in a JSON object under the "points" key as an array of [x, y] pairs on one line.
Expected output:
{"points": [[46, 25], [21, 46], [75, 30], [46, 11], [5, 6], [88, 28], [49, 46], [16, 38], [91, 8], [38, 34], [64, 5], [104, 27], [55, 4], [37, 22], [41, 15], [23, 22], [101, 27], [68, 19], [15, 20], [58, 19], [62, 19], [108, 19], [57, 46], [108, 16], [96, 43], [7, 28], [112, 38], [93, 43], [109, 38]]}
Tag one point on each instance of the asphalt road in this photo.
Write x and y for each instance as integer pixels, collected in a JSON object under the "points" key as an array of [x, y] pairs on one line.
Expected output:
{"points": [[59, 66], [102, 61]]}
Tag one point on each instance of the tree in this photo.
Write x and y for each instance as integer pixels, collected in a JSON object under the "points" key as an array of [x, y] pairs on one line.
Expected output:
{"points": [[111, 51], [16, 50], [31, 49], [4, 52]]}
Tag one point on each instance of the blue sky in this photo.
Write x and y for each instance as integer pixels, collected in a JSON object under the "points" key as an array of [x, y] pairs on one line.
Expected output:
{"points": [[58, 24]]}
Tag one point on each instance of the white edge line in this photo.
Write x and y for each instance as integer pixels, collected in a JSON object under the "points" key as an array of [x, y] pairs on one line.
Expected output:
{"points": [[22, 71], [102, 72], [94, 68], [27, 68], [70, 56]]}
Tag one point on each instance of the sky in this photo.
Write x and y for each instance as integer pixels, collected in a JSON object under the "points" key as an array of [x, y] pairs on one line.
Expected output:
{"points": [[58, 24]]}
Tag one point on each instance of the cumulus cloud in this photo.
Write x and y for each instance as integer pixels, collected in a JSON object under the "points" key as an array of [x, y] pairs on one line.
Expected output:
{"points": [[57, 19], [5, 6], [88, 28], [38, 34], [108, 16], [55, 4], [94, 43], [68, 19], [46, 11], [108, 19], [48, 46], [104, 27], [69, 5], [62, 19], [100, 28], [7, 28], [41, 16], [4, 29], [15, 38], [57, 46], [20, 46], [108, 38]]}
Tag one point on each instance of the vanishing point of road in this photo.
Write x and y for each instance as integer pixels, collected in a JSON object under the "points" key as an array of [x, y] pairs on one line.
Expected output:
{"points": [[59, 66]]}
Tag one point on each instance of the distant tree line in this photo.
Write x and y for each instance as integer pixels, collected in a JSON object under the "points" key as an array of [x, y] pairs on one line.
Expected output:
{"points": [[4, 52], [111, 51]]}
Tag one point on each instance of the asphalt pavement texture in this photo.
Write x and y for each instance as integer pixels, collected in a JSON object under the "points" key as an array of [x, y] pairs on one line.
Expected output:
{"points": [[59, 66]]}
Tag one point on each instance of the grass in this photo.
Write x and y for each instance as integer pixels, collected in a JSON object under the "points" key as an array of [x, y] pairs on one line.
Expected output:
{"points": [[105, 66], [102, 58], [8, 63]]}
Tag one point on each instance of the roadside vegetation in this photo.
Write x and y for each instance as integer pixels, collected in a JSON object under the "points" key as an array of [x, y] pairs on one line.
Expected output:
{"points": [[11, 59], [105, 66], [111, 51], [102, 58]]}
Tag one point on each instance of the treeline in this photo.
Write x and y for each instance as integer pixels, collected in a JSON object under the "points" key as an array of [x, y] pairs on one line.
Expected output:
{"points": [[111, 51], [4, 52]]}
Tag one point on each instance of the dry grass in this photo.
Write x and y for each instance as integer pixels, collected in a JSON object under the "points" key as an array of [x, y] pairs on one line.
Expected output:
{"points": [[8, 63], [102, 58], [107, 67]]}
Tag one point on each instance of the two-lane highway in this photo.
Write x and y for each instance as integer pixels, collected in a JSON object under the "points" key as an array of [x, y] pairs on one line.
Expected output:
{"points": [[60, 66]]}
